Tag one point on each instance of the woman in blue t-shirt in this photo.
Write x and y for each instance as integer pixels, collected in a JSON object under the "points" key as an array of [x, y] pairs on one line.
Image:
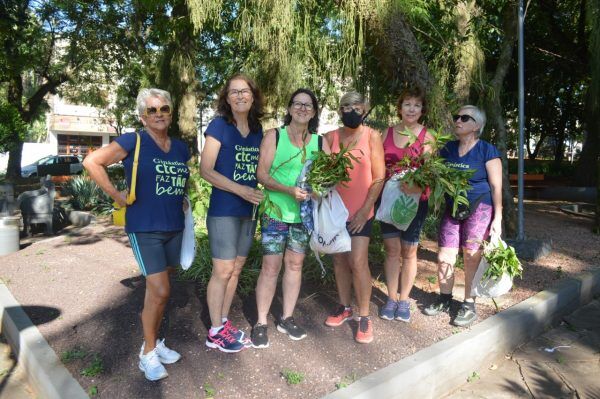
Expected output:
{"points": [[155, 221], [229, 161], [485, 204]]}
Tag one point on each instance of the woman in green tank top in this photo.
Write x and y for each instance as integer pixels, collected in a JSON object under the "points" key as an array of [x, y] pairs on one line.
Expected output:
{"points": [[283, 152]]}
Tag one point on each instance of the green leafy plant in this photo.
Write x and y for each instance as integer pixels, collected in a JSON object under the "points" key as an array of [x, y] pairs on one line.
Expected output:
{"points": [[328, 170], [87, 196], [432, 279], [430, 170], [292, 377], [501, 259], [95, 368]]}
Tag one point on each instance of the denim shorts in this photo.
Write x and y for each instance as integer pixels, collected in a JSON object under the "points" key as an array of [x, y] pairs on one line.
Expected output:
{"points": [[412, 233], [230, 236], [278, 236], [155, 251], [468, 233]]}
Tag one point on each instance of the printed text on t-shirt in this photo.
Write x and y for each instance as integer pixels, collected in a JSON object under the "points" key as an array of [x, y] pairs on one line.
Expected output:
{"points": [[246, 159]]}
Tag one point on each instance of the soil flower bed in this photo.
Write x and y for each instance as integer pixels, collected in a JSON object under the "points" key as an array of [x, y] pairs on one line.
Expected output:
{"points": [[84, 292]]}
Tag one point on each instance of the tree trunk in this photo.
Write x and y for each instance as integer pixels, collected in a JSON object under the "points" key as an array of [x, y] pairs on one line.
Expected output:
{"points": [[496, 111], [468, 51]]}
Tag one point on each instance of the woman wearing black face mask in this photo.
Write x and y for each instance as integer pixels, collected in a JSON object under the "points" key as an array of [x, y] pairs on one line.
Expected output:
{"points": [[359, 196]]}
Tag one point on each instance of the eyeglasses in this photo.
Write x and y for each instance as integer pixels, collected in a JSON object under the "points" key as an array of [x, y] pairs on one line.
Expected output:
{"points": [[165, 109], [463, 118], [299, 105], [236, 93], [347, 108]]}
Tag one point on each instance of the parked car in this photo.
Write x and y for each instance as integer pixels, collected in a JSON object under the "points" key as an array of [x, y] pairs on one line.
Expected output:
{"points": [[55, 165]]}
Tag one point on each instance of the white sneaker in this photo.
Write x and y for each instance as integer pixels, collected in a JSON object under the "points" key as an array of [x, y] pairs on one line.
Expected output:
{"points": [[151, 365], [166, 355]]}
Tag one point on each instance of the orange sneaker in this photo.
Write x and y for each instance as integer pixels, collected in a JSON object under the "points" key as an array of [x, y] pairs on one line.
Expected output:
{"points": [[339, 316], [364, 334]]}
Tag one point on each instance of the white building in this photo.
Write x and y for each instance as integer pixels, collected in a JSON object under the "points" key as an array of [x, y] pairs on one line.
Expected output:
{"points": [[77, 129]]}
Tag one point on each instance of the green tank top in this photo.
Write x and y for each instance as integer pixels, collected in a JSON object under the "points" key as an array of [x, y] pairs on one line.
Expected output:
{"points": [[285, 169]]}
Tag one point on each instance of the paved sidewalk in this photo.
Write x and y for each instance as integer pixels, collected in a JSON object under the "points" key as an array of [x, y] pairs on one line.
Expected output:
{"points": [[561, 363]]}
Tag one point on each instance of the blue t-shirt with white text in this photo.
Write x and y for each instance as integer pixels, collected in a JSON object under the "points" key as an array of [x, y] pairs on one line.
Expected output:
{"points": [[237, 160], [160, 184], [475, 160]]}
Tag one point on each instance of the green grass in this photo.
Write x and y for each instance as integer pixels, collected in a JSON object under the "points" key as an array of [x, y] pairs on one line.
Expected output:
{"points": [[209, 390], [473, 377], [347, 380], [95, 368], [292, 377], [72, 354], [93, 390]]}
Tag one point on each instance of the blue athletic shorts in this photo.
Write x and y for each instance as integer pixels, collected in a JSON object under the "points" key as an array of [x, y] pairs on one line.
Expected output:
{"points": [[155, 251]]}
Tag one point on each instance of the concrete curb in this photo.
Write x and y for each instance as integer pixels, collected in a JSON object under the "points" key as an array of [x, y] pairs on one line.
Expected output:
{"points": [[45, 371], [445, 366]]}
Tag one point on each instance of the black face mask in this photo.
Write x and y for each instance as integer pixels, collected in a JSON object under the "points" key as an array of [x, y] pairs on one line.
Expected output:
{"points": [[352, 119]]}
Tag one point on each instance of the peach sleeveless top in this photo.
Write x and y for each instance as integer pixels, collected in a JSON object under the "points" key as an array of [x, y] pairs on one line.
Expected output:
{"points": [[354, 192]]}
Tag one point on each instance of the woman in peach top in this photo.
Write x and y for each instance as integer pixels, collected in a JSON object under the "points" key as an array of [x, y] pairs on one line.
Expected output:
{"points": [[359, 196]]}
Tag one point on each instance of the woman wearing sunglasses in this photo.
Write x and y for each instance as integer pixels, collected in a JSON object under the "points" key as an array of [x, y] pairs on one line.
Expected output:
{"points": [[229, 161], [155, 221], [359, 196], [284, 237], [484, 215], [401, 246]]}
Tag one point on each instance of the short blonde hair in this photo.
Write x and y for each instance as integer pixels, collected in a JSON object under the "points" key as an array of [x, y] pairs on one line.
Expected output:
{"points": [[352, 98]]}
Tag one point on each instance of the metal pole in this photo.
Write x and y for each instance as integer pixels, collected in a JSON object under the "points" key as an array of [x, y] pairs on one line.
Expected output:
{"points": [[520, 233]]}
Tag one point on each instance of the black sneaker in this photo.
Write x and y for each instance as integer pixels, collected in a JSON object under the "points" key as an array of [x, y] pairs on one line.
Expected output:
{"points": [[259, 336], [439, 306], [288, 326], [466, 315]]}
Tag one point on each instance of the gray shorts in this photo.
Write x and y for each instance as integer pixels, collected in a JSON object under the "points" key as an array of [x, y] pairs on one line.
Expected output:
{"points": [[230, 236]]}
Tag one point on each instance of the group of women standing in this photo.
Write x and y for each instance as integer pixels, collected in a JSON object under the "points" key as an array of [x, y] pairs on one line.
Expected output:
{"points": [[238, 155]]}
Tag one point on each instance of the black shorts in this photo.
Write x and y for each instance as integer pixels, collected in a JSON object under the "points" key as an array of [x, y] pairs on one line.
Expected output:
{"points": [[364, 232], [155, 251]]}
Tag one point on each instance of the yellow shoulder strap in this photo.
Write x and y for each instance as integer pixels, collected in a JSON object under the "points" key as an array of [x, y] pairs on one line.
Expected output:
{"points": [[136, 156]]}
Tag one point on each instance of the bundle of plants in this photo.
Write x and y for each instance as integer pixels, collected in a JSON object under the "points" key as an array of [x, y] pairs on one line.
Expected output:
{"points": [[329, 170], [501, 259], [430, 170]]}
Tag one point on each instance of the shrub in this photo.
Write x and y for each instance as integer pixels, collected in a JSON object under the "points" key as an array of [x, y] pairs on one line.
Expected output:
{"points": [[87, 196]]}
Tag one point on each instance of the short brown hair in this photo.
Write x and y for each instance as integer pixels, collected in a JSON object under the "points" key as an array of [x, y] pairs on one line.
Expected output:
{"points": [[256, 110], [413, 92]]}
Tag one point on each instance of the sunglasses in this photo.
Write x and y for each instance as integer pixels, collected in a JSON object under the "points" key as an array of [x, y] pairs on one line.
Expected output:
{"points": [[165, 109], [463, 118]]}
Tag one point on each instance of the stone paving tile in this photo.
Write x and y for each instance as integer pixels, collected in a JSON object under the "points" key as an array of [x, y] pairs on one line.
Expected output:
{"points": [[532, 372]]}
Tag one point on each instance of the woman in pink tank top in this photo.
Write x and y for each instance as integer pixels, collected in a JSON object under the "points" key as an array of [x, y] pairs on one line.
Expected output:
{"points": [[359, 196], [401, 246]]}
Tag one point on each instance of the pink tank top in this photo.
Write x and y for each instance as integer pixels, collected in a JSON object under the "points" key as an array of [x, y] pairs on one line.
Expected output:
{"points": [[394, 154], [354, 192]]}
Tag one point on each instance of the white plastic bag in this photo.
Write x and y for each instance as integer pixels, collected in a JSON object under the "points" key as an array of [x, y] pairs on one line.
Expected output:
{"points": [[397, 208], [329, 217], [488, 287], [188, 243]]}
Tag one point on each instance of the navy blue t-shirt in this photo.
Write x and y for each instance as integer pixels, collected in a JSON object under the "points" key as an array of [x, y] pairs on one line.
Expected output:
{"points": [[237, 160], [475, 159], [160, 184]]}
